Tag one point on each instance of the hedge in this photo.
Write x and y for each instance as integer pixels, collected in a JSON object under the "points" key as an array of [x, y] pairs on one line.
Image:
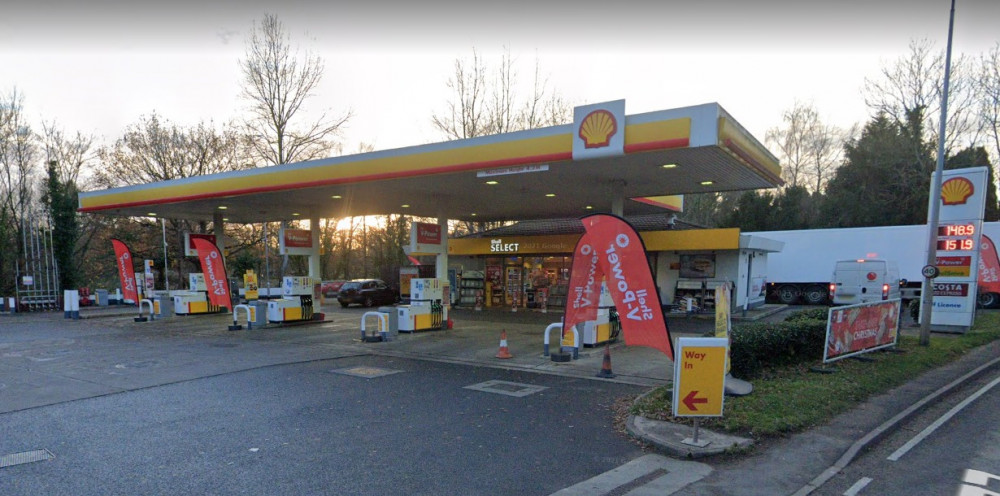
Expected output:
{"points": [[757, 346]]}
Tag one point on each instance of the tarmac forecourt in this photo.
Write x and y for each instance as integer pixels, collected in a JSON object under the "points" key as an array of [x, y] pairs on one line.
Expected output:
{"points": [[68, 355]]}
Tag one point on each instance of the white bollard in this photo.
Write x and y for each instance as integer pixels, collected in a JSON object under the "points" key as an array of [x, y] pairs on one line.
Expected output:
{"points": [[67, 305], [74, 308]]}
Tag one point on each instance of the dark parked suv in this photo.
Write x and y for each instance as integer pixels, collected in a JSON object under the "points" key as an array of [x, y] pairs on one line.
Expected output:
{"points": [[366, 292]]}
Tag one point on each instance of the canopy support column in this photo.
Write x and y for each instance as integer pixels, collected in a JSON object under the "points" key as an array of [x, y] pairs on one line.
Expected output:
{"points": [[314, 260], [618, 197], [218, 229]]}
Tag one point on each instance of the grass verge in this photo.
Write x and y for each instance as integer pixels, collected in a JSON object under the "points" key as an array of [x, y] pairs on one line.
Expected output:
{"points": [[793, 399]]}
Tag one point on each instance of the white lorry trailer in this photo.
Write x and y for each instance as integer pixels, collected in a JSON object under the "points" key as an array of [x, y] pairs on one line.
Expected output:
{"points": [[803, 270]]}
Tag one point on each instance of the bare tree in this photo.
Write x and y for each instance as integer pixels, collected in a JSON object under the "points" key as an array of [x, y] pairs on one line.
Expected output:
{"points": [[465, 117], [809, 149], [18, 159], [544, 108], [72, 154], [989, 91], [486, 101], [19, 154], [276, 82], [154, 150], [792, 141], [826, 153], [915, 81]]}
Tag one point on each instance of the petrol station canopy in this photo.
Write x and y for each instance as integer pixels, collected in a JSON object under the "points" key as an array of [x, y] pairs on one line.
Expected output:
{"points": [[560, 171]]}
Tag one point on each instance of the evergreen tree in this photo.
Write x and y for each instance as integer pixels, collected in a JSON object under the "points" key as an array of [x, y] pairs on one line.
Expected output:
{"points": [[60, 200], [752, 212], [885, 177], [978, 157], [790, 209], [794, 208]]}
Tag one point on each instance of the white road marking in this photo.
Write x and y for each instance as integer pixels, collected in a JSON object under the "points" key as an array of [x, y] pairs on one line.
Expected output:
{"points": [[677, 475], [978, 477], [858, 486], [940, 421]]}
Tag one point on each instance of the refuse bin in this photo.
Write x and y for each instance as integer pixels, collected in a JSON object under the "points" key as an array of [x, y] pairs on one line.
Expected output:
{"points": [[393, 318], [102, 297], [166, 306], [260, 312]]}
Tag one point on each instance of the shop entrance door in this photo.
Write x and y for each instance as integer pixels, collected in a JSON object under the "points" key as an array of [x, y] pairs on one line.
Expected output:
{"points": [[514, 286]]}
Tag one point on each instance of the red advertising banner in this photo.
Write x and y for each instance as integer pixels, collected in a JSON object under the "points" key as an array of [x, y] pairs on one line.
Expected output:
{"points": [[428, 233], [215, 273], [126, 272], [989, 263], [298, 238], [584, 292], [856, 329], [622, 256]]}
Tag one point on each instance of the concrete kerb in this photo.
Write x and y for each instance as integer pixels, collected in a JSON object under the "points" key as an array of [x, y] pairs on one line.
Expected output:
{"points": [[668, 437], [890, 426]]}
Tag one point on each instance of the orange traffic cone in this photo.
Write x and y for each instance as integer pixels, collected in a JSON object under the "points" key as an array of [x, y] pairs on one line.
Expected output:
{"points": [[606, 365], [504, 352]]}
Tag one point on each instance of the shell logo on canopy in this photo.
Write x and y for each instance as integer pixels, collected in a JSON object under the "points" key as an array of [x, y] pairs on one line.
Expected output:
{"points": [[600, 130], [597, 128], [956, 191]]}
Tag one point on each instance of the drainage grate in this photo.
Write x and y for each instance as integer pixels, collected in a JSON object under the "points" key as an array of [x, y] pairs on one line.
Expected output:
{"points": [[365, 372], [506, 388], [25, 457]]}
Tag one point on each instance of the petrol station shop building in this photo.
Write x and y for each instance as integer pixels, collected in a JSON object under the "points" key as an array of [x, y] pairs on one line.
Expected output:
{"points": [[633, 166], [529, 262]]}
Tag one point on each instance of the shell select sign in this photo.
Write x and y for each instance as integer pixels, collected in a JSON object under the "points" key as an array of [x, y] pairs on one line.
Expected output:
{"points": [[699, 377]]}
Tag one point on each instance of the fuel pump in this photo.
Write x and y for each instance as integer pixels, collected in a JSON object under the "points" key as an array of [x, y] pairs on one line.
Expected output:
{"points": [[427, 309], [296, 302], [195, 300], [606, 326]]}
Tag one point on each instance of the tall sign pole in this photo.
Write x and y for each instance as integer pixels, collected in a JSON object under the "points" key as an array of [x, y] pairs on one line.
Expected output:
{"points": [[927, 294]]}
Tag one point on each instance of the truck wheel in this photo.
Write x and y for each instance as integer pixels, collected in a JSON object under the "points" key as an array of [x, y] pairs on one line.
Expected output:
{"points": [[787, 294], [816, 295], [988, 300]]}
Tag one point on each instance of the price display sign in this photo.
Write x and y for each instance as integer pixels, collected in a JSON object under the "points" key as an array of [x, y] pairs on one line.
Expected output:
{"points": [[961, 206], [968, 244], [956, 230]]}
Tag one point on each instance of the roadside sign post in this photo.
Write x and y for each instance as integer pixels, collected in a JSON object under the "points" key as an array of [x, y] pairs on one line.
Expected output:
{"points": [[699, 380]]}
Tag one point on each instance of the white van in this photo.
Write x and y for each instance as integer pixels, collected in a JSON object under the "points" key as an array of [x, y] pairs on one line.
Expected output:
{"points": [[863, 281]]}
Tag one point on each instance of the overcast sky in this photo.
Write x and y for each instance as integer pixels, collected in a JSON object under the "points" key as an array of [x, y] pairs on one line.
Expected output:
{"points": [[97, 66]]}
